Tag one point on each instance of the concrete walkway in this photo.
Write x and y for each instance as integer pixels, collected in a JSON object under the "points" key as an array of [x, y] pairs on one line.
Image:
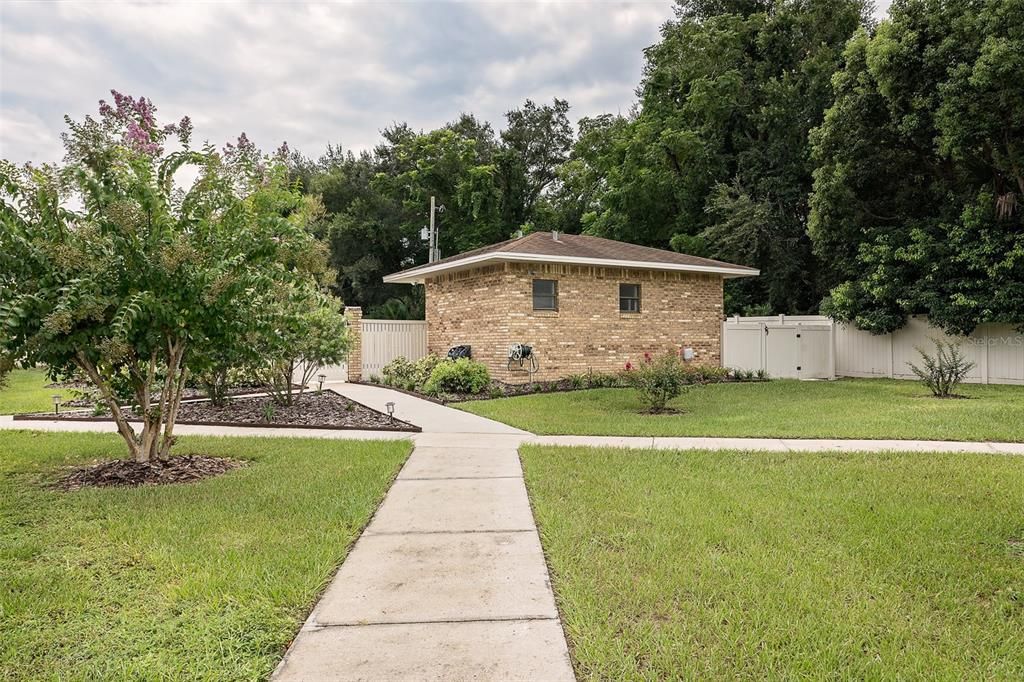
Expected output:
{"points": [[429, 416], [448, 582]]}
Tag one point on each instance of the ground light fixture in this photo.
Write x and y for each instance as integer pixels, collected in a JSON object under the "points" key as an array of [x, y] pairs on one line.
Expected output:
{"points": [[391, 411], [322, 378], [56, 403]]}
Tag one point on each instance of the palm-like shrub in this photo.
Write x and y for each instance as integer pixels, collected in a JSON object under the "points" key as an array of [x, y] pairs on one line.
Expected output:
{"points": [[944, 371]]}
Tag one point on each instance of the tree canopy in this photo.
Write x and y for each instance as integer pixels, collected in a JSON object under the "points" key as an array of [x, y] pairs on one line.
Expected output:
{"points": [[916, 202]]}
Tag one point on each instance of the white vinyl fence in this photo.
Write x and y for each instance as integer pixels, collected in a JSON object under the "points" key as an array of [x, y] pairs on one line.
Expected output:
{"points": [[813, 347], [385, 340]]}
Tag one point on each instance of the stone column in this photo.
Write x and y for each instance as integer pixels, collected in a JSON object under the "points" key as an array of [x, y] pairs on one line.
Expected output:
{"points": [[354, 315]]}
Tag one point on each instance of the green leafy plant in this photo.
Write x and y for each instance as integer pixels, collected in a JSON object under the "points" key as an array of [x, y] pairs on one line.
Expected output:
{"points": [[269, 409], [458, 376], [144, 282], [658, 380], [944, 371], [305, 331], [410, 376]]}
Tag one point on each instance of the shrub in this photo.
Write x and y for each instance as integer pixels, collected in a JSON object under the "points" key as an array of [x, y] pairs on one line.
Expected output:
{"points": [[458, 376], [399, 373], [704, 374], [658, 380], [409, 376], [944, 371]]}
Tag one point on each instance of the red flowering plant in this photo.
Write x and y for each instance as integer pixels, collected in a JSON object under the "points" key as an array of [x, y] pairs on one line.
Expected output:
{"points": [[657, 380]]}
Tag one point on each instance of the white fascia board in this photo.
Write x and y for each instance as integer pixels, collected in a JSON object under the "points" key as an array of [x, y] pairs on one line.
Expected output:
{"points": [[420, 274]]}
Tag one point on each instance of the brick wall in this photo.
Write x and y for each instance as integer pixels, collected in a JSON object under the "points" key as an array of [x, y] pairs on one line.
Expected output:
{"points": [[354, 315], [491, 308]]}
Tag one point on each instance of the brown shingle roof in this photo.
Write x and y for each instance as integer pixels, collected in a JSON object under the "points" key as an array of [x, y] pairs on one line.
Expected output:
{"points": [[570, 248]]}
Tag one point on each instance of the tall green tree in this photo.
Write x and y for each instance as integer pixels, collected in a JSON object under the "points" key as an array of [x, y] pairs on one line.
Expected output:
{"points": [[534, 144], [377, 203], [716, 159], [917, 200]]}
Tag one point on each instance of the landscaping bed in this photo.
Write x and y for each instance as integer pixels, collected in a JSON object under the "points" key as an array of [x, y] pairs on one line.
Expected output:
{"points": [[321, 410], [752, 565], [126, 472]]}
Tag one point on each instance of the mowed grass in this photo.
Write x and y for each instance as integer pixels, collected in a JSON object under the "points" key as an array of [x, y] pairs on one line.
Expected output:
{"points": [[725, 565], [849, 408], [26, 392], [202, 581]]}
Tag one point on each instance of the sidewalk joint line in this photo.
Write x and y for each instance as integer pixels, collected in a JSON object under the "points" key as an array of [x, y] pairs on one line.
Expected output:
{"points": [[445, 532], [504, 619], [451, 478]]}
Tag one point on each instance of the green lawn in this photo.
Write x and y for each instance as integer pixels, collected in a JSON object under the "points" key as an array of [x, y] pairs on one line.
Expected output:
{"points": [[208, 580], [26, 392], [850, 408], [724, 565]]}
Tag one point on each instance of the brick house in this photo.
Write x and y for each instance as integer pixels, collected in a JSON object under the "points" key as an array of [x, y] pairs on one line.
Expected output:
{"points": [[582, 303]]}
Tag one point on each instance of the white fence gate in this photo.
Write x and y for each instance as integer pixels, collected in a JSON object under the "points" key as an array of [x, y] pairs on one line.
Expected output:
{"points": [[784, 347], [385, 340], [812, 347]]}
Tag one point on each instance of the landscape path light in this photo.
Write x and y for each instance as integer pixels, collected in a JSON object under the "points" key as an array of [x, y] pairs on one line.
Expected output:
{"points": [[56, 404], [391, 411]]}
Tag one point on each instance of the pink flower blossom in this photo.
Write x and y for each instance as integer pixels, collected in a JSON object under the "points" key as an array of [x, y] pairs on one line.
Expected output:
{"points": [[629, 366]]}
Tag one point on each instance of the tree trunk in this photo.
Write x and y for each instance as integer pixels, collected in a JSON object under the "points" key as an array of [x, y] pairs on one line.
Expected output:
{"points": [[123, 427], [177, 373]]}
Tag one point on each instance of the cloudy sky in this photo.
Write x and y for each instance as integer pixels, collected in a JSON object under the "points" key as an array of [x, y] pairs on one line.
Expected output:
{"points": [[312, 74]]}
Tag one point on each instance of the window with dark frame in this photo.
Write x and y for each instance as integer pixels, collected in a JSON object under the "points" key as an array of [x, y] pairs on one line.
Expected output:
{"points": [[629, 298], [545, 294]]}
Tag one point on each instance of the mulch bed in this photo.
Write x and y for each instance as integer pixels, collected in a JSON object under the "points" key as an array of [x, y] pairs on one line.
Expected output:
{"points": [[188, 393], [312, 409], [129, 473], [326, 410]]}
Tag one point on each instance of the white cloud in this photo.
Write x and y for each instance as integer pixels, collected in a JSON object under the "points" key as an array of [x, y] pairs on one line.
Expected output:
{"points": [[317, 73], [313, 74]]}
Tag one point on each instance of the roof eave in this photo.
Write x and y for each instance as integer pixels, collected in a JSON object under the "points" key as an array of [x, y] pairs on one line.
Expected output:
{"points": [[419, 274]]}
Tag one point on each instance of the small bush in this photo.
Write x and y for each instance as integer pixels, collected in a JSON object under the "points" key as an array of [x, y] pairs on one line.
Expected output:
{"points": [[944, 371], [658, 380], [602, 380], [409, 376], [458, 376], [705, 374]]}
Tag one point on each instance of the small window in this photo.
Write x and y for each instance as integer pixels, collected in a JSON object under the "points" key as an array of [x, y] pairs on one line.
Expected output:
{"points": [[629, 298], [545, 294]]}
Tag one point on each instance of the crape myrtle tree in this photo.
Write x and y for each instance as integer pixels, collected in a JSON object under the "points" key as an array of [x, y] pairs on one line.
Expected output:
{"points": [[917, 204], [108, 268]]}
